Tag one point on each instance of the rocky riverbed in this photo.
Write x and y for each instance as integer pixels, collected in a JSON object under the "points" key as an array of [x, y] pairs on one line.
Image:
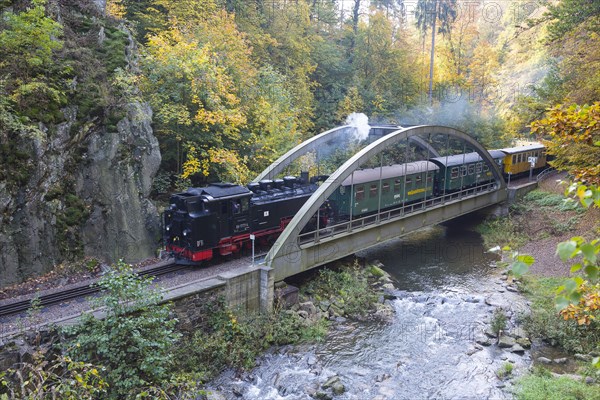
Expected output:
{"points": [[411, 345]]}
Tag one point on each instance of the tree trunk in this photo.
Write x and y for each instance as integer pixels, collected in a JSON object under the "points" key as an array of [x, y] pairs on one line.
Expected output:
{"points": [[433, 23]]}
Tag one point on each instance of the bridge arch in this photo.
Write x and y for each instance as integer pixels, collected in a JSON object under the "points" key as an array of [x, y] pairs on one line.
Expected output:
{"points": [[287, 249], [313, 143], [305, 147]]}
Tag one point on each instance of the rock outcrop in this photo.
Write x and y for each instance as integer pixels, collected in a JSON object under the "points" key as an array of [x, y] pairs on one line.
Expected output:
{"points": [[115, 184], [80, 186], [87, 195]]}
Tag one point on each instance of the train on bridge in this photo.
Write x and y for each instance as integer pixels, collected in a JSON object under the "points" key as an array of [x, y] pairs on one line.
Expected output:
{"points": [[222, 218]]}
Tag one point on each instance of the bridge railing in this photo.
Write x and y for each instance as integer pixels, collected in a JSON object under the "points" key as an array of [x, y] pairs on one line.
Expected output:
{"points": [[392, 214]]}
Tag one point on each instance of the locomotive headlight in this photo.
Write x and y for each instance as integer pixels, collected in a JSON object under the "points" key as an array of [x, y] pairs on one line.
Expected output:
{"points": [[186, 232], [168, 228]]}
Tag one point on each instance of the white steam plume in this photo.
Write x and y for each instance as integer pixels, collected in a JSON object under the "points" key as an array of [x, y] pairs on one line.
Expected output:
{"points": [[360, 123]]}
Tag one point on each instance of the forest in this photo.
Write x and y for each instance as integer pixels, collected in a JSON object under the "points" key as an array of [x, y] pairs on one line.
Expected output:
{"points": [[232, 83]]}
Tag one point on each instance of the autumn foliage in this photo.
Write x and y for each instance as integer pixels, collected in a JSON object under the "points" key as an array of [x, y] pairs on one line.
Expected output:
{"points": [[572, 136]]}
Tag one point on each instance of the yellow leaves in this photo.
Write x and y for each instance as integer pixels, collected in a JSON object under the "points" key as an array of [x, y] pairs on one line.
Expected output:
{"points": [[204, 82], [192, 165], [572, 133], [115, 9], [227, 164], [207, 92], [181, 55], [586, 310]]}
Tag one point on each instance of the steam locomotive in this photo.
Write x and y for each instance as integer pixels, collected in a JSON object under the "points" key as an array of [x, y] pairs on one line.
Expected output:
{"points": [[221, 217]]}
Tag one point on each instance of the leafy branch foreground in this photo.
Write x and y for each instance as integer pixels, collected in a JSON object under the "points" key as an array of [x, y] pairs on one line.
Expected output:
{"points": [[135, 352]]}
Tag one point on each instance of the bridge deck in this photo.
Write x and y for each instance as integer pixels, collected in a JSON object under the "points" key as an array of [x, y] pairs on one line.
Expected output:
{"points": [[334, 242]]}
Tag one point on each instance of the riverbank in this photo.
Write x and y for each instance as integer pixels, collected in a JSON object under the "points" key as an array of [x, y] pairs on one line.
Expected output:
{"points": [[562, 350], [455, 331], [236, 342]]}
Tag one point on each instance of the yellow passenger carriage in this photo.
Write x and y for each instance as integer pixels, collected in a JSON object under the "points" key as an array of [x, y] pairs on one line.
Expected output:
{"points": [[518, 159]]}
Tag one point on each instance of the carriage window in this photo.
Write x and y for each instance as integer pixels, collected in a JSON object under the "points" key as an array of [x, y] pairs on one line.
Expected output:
{"points": [[244, 203], [478, 168], [418, 180], [514, 159], [429, 179], [463, 170], [385, 188], [471, 169], [397, 183], [373, 191], [408, 182], [236, 206], [485, 168], [360, 193], [454, 174]]}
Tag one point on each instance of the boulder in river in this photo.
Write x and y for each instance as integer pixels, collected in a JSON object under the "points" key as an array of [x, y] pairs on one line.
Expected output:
{"points": [[483, 340], [506, 341], [525, 342], [338, 388], [330, 382], [320, 395], [518, 349]]}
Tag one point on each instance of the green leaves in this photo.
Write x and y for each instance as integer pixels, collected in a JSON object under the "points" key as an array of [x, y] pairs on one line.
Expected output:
{"points": [[134, 341], [589, 252], [566, 250], [519, 264]]}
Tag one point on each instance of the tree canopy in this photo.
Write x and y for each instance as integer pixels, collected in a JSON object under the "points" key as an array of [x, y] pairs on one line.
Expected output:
{"points": [[233, 84]]}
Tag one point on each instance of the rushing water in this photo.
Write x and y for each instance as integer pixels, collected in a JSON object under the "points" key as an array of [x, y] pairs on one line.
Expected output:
{"points": [[428, 350]]}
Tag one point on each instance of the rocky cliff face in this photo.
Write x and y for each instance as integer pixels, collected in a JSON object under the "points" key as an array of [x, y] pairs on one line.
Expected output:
{"points": [[105, 212], [85, 182], [115, 185]]}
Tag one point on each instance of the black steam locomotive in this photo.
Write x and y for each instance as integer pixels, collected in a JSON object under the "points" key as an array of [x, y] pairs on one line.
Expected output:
{"points": [[222, 216]]}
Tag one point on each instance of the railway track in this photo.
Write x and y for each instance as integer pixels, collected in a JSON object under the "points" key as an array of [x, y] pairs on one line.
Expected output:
{"points": [[17, 307]]}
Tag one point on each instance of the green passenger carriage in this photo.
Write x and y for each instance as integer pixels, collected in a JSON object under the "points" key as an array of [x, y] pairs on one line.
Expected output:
{"points": [[359, 194], [463, 171]]}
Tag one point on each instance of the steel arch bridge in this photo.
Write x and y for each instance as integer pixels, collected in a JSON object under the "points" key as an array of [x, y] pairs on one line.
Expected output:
{"points": [[295, 252], [313, 144]]}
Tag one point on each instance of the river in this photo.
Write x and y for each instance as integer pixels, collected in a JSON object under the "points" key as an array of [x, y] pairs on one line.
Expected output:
{"points": [[447, 292]]}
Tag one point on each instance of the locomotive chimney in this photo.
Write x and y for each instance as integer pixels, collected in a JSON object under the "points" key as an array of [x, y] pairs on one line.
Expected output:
{"points": [[304, 177], [266, 184]]}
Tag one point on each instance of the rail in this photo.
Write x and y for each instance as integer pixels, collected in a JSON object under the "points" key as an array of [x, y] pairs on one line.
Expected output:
{"points": [[544, 174], [392, 214], [15, 307]]}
